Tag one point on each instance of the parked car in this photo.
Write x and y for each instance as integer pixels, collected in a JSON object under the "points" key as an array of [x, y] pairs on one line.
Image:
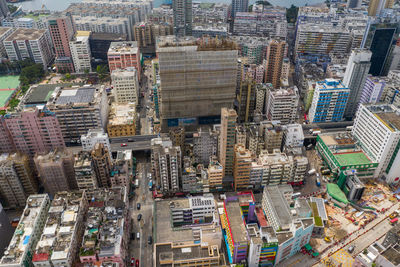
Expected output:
{"points": [[351, 248], [138, 206], [139, 217], [132, 261], [150, 240], [123, 144], [137, 235], [137, 263]]}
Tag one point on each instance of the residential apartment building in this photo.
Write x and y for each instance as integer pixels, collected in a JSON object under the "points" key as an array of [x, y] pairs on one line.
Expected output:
{"points": [[84, 171], [29, 43], [62, 31], [354, 78], [281, 105], [239, 6], [56, 171], [376, 128], [146, 34], [227, 140], [107, 216], [166, 161], [4, 11], [241, 167], [110, 24], [293, 226], [122, 55], [101, 162], [372, 90], [31, 131], [254, 48], [122, 120], [276, 52], [79, 109], [271, 23], [182, 12], [205, 145], [376, 6], [62, 234], [273, 135], [6, 231], [28, 232], [80, 52], [215, 173], [125, 85], [4, 33], [320, 40], [177, 136], [329, 101], [246, 100], [17, 181], [100, 43], [293, 135], [93, 137], [121, 172], [203, 98]]}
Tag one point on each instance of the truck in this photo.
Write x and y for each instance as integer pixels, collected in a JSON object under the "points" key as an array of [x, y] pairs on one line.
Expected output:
{"points": [[137, 183], [311, 172], [318, 181], [314, 131]]}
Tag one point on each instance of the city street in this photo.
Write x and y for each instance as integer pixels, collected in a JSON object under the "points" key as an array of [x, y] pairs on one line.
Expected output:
{"points": [[140, 249]]}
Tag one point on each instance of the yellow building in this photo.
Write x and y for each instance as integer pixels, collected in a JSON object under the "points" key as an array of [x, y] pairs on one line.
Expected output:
{"points": [[241, 167], [215, 173], [122, 120]]}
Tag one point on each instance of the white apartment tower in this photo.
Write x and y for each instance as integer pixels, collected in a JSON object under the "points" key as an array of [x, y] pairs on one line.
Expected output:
{"points": [[377, 129], [80, 52], [125, 85], [354, 78], [281, 104]]}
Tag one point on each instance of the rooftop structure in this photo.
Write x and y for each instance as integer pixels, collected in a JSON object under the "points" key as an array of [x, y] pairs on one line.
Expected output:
{"points": [[93, 137], [63, 230], [122, 120], [123, 55], [25, 34], [106, 228], [84, 175], [39, 94], [25, 238]]}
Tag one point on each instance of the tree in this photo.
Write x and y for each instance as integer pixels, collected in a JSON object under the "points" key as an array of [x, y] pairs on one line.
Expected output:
{"points": [[31, 74], [102, 71], [291, 14]]}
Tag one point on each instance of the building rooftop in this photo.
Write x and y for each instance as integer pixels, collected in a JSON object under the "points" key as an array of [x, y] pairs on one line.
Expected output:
{"points": [[3, 30], [105, 223], [124, 47], [171, 43], [60, 228], [355, 158], [234, 215], [82, 159], [21, 239], [331, 84], [75, 95], [280, 204], [108, 36], [53, 156], [392, 254], [25, 34], [41, 93]]}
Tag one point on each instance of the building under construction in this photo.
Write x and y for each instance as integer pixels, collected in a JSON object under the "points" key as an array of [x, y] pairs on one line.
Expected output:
{"points": [[198, 78]]}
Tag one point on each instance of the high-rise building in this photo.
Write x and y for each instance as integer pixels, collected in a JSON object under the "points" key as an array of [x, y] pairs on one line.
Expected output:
{"points": [[377, 129], [241, 167], [273, 135], [329, 101], [354, 78], [122, 55], [281, 105], [31, 131], [379, 38], [84, 175], [100, 43], [182, 17], [193, 66], [101, 162], [17, 181], [227, 140], [239, 6], [215, 174], [246, 100], [62, 234], [177, 136], [79, 109], [276, 52], [56, 170], [29, 43], [80, 51], [4, 33], [110, 221], [372, 90], [146, 34], [125, 85], [62, 31], [376, 6], [353, 3], [254, 49], [166, 163], [121, 172], [30, 227], [293, 135], [93, 137], [6, 231], [4, 11], [205, 145]]}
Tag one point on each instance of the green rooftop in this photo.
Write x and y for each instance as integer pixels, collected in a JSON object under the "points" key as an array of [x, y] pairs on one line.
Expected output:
{"points": [[9, 82], [5, 95], [35, 17], [352, 158]]}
